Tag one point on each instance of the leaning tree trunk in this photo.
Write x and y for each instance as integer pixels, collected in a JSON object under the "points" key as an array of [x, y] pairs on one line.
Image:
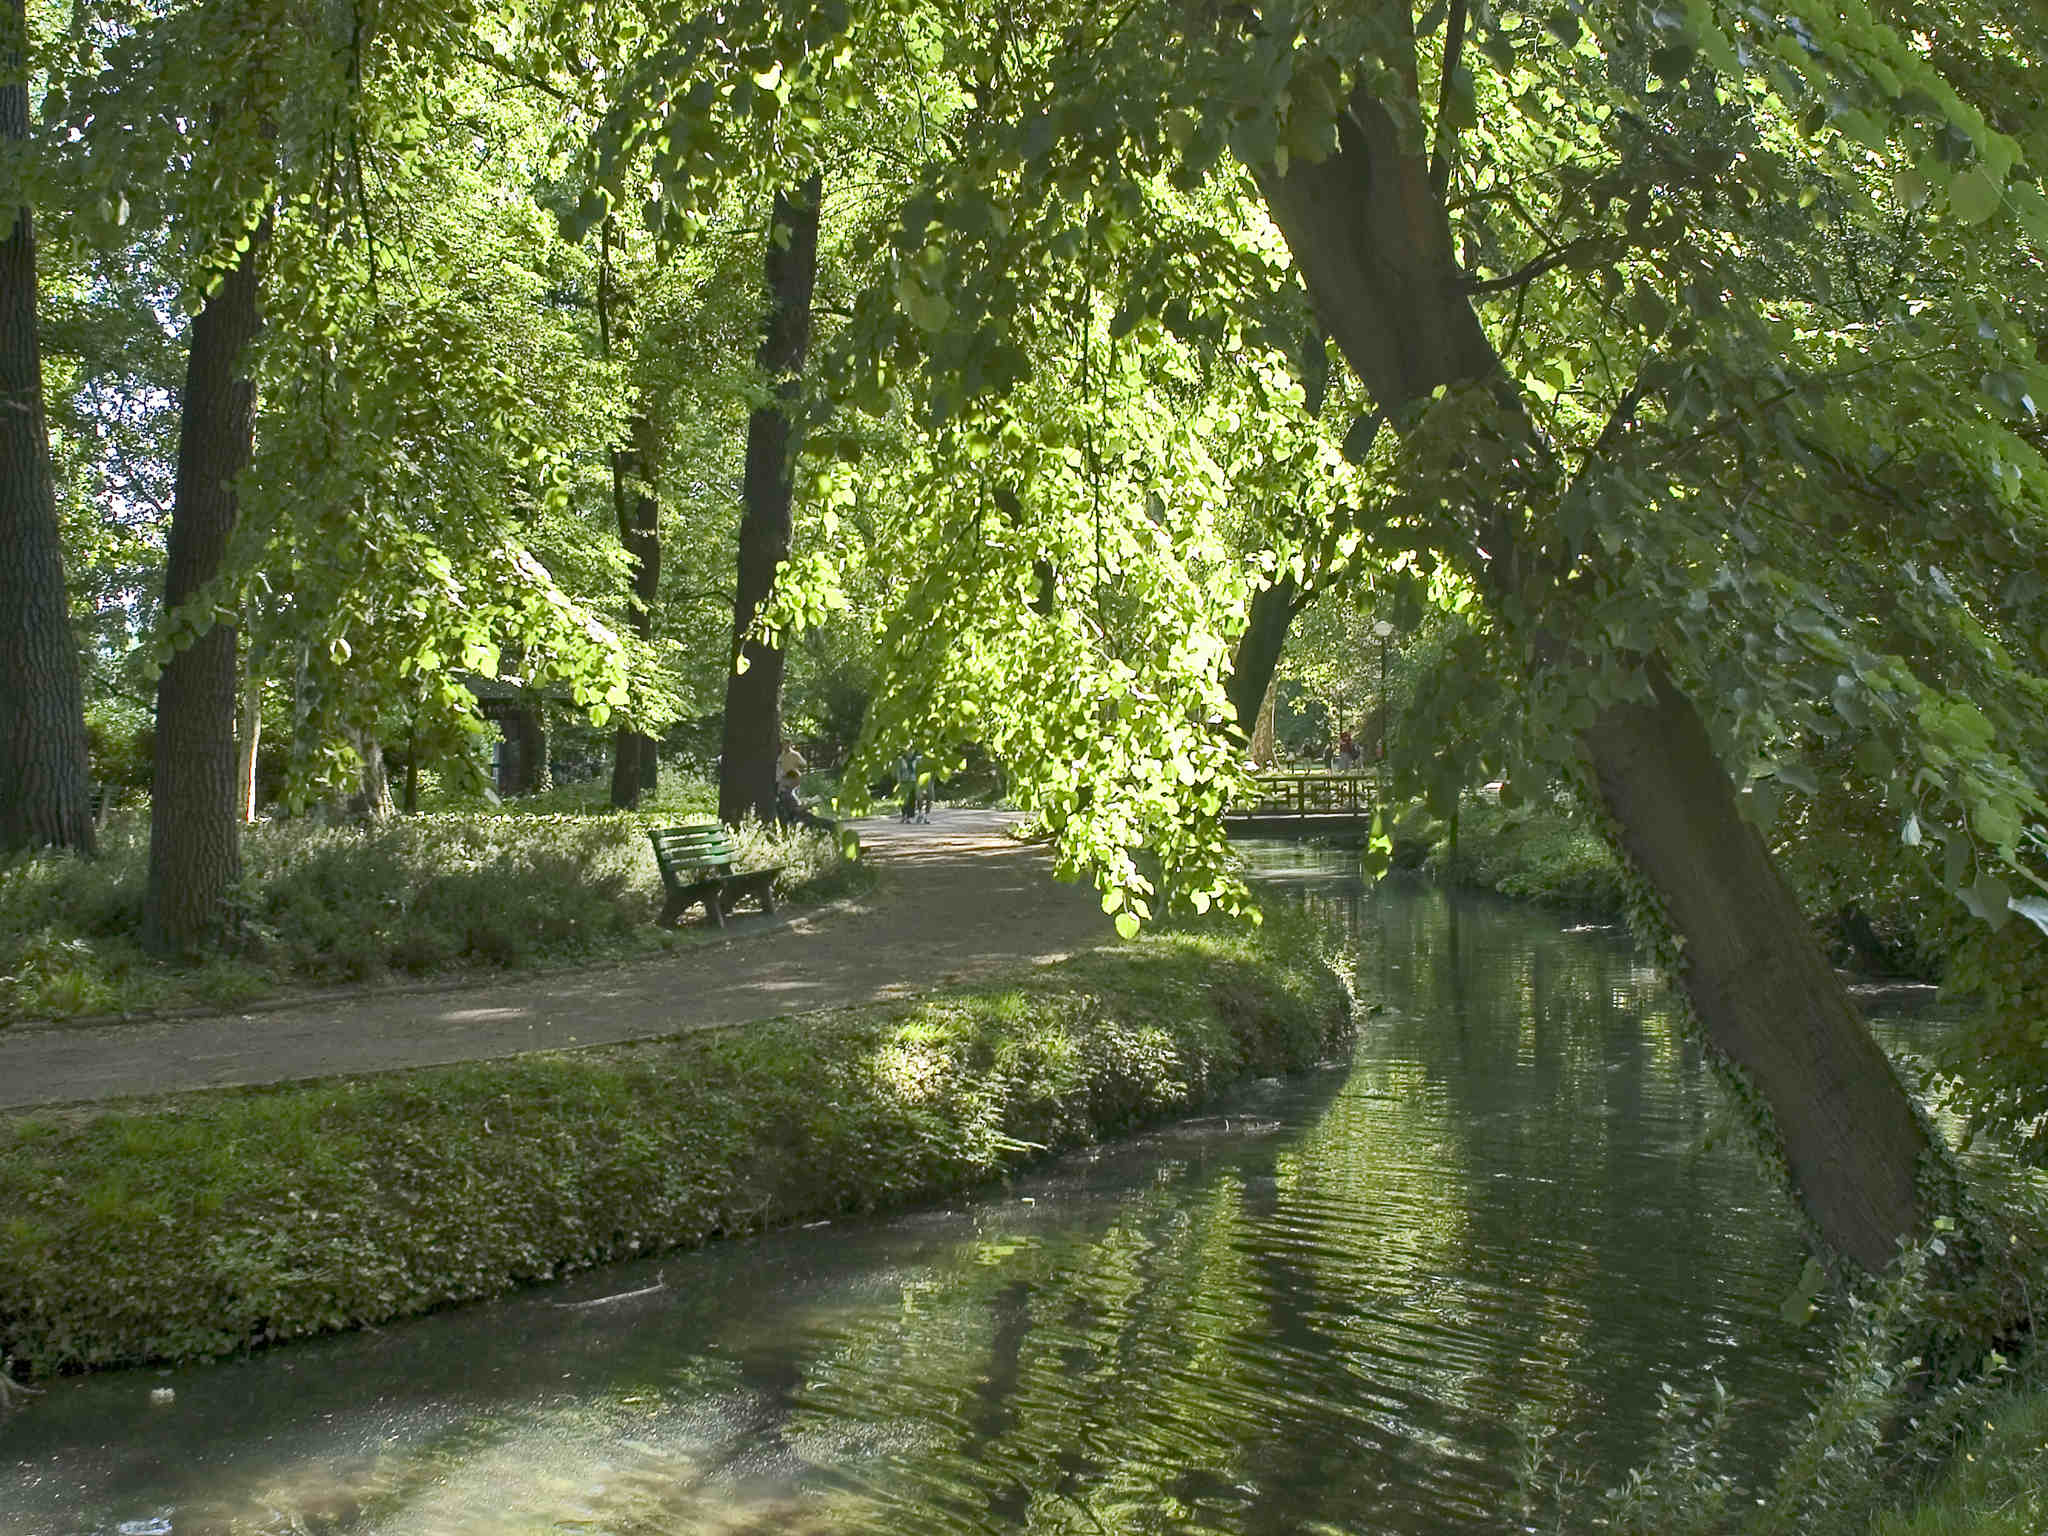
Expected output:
{"points": [[639, 514], [753, 696], [1258, 648], [194, 834], [45, 799], [1372, 240]]}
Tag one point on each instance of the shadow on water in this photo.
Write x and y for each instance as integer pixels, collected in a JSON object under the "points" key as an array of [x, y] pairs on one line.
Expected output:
{"points": [[1352, 1300]]}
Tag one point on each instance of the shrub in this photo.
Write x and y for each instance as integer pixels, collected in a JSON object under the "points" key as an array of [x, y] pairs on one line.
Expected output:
{"points": [[321, 904]]}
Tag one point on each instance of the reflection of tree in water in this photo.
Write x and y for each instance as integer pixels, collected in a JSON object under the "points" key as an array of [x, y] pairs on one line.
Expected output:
{"points": [[1488, 1219], [1581, 1098], [1490, 1226]]}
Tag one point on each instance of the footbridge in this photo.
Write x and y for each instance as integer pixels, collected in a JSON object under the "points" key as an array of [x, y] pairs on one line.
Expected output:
{"points": [[1304, 805]]}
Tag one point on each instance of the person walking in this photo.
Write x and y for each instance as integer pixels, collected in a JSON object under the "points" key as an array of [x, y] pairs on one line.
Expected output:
{"points": [[906, 780]]}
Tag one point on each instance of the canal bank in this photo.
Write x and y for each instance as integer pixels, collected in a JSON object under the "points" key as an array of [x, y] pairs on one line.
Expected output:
{"points": [[1399, 1294], [208, 1223]]}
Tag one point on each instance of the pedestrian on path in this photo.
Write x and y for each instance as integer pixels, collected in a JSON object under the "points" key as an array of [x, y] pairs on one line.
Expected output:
{"points": [[906, 781]]}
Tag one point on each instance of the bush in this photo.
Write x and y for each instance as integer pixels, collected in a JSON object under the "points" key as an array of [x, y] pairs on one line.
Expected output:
{"points": [[320, 905]]}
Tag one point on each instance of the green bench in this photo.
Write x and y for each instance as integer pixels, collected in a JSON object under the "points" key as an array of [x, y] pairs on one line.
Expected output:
{"points": [[696, 865]]}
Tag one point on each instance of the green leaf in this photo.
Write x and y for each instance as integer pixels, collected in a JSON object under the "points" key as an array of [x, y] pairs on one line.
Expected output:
{"points": [[1797, 1307], [1126, 925], [2033, 908], [1988, 900], [1863, 128], [1973, 196]]}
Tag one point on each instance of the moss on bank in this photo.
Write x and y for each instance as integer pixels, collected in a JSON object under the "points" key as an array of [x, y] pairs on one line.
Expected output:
{"points": [[207, 1223]]}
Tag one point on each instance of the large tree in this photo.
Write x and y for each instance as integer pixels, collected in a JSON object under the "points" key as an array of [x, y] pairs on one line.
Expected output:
{"points": [[1613, 283], [194, 844], [753, 694], [44, 795]]}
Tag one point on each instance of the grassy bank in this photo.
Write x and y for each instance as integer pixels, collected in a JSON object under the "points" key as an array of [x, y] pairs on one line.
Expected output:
{"points": [[1545, 854], [211, 1222], [1997, 1485], [323, 906]]}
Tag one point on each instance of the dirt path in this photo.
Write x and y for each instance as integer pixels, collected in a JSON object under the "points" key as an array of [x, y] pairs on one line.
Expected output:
{"points": [[958, 900]]}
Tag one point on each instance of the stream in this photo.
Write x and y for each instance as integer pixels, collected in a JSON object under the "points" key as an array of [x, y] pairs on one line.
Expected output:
{"points": [[1402, 1294]]}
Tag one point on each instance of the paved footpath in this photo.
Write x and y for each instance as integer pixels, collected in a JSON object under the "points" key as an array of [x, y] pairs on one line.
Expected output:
{"points": [[958, 900]]}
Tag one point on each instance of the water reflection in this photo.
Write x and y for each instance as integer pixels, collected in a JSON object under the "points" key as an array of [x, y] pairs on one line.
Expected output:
{"points": [[1349, 1303]]}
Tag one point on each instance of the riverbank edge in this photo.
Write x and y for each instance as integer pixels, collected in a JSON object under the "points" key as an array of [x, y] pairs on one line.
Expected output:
{"points": [[206, 1224], [1996, 1483]]}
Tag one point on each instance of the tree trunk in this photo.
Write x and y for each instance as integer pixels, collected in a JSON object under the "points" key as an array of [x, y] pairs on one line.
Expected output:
{"points": [[1372, 240], [1258, 648], [247, 741], [526, 735], [1757, 977], [753, 697], [639, 514], [194, 840], [372, 800], [45, 795]]}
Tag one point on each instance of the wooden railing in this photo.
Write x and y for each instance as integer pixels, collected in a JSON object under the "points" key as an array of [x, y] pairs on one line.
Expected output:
{"points": [[1310, 794]]}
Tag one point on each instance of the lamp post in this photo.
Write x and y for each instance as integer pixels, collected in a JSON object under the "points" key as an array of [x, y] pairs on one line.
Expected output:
{"points": [[1383, 632]]}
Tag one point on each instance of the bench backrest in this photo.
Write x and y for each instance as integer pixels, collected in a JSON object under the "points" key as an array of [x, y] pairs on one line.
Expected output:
{"points": [[693, 846]]}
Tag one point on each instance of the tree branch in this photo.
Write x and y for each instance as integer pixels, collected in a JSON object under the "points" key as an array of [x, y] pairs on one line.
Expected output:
{"points": [[1454, 53], [1526, 274]]}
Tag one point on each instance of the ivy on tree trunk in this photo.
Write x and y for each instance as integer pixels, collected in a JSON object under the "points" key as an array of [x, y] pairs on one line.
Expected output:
{"points": [[753, 696], [639, 515]]}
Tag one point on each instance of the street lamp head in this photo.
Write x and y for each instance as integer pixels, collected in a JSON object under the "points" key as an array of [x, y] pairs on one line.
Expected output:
{"points": [[1383, 629]]}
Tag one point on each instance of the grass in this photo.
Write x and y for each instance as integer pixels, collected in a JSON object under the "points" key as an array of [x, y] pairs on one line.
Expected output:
{"points": [[1995, 1486], [212, 1222], [319, 906]]}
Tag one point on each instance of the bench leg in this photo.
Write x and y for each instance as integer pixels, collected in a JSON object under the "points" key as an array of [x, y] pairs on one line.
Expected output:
{"points": [[714, 903]]}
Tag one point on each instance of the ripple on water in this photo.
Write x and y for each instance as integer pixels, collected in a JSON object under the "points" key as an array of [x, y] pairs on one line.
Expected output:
{"points": [[1353, 1301]]}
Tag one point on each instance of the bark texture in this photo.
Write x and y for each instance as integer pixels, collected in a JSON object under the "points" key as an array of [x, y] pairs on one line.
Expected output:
{"points": [[526, 743], [372, 801], [1756, 976], [639, 514], [753, 698], [1372, 240], [194, 832], [45, 795]]}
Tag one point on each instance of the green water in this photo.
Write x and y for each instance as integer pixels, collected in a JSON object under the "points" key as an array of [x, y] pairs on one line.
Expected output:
{"points": [[1356, 1301]]}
